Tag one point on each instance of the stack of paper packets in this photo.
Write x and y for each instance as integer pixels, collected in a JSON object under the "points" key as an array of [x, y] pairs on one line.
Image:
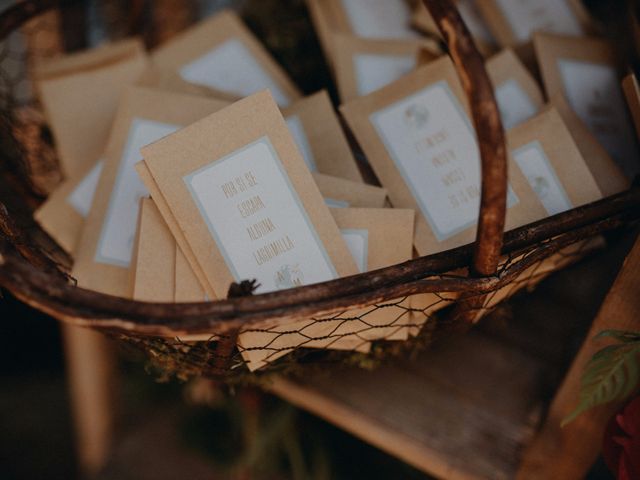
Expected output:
{"points": [[200, 164]]}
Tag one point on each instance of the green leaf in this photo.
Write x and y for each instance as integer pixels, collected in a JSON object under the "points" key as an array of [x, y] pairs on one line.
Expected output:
{"points": [[624, 336], [611, 374]]}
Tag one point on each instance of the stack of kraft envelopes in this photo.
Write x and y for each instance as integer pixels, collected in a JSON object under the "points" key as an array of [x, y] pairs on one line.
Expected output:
{"points": [[200, 163]]}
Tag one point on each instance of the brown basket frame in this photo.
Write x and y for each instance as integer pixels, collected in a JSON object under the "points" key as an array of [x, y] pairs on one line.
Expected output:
{"points": [[29, 273]]}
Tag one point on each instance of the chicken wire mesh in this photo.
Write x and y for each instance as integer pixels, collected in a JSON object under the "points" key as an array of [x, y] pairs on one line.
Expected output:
{"points": [[364, 337]]}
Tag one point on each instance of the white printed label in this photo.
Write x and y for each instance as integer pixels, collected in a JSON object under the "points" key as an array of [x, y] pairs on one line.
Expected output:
{"points": [[357, 241], [119, 227], [432, 144], [473, 19], [296, 127], [232, 68], [514, 104], [379, 18], [542, 177], [526, 17], [82, 196], [257, 220], [376, 71], [593, 91]]}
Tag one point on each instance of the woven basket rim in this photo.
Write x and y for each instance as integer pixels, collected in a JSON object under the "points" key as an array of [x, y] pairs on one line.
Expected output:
{"points": [[85, 307]]}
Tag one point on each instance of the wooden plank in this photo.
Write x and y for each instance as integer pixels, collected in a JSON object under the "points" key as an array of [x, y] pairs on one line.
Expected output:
{"points": [[91, 373], [569, 452], [462, 411]]}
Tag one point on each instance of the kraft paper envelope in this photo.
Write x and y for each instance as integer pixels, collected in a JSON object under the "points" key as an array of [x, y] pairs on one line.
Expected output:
{"points": [[155, 262], [423, 21], [246, 200], [171, 81], [340, 193], [517, 92], [337, 193], [514, 22], [221, 52], [607, 173], [322, 142], [188, 288], [79, 95], [134, 252], [364, 65], [584, 71], [63, 214], [419, 140], [181, 241], [632, 93], [382, 19], [544, 151], [325, 26], [103, 256], [377, 238]]}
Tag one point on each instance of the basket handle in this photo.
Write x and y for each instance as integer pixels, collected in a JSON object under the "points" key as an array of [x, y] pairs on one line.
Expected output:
{"points": [[469, 64]]}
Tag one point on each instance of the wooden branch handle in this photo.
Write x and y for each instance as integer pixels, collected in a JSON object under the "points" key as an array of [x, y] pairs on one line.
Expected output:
{"points": [[486, 119]]}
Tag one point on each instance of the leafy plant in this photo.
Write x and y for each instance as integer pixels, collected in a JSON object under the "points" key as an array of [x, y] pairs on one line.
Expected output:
{"points": [[613, 372]]}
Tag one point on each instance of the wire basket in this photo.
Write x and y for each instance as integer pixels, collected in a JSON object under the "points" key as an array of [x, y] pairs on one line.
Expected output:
{"points": [[201, 339]]}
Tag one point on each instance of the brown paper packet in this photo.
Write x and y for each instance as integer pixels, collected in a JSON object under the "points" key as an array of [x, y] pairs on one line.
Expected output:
{"points": [[222, 53], [340, 193], [336, 192], [381, 19], [63, 214], [103, 256], [378, 238], [607, 173], [188, 288], [135, 250], [544, 151], [155, 262], [517, 93], [423, 21], [584, 71], [171, 81], [632, 94], [364, 65], [322, 142], [513, 23], [325, 27], [79, 96], [181, 241], [272, 171], [441, 132]]}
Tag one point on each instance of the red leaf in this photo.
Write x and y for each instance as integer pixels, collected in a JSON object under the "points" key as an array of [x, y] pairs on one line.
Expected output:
{"points": [[621, 444]]}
